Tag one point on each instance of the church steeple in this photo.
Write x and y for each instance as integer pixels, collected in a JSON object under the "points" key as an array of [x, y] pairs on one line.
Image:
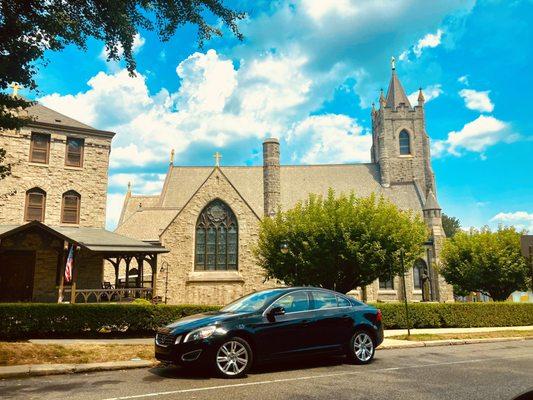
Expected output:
{"points": [[396, 95]]}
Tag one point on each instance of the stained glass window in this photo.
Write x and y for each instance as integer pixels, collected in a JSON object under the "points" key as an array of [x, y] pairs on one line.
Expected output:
{"points": [[216, 238]]}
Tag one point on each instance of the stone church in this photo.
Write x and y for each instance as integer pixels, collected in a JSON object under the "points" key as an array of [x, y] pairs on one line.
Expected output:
{"points": [[208, 217]]}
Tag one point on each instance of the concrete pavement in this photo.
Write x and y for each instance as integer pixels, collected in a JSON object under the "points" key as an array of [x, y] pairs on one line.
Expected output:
{"points": [[388, 333], [498, 371]]}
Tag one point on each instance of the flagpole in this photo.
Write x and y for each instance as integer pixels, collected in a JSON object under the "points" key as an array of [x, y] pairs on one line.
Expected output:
{"points": [[62, 273]]}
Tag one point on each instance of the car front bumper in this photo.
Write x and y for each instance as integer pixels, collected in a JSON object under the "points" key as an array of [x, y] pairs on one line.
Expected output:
{"points": [[180, 353]]}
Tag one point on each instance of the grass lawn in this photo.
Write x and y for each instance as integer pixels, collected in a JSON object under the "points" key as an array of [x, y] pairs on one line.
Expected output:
{"points": [[473, 335], [18, 353]]}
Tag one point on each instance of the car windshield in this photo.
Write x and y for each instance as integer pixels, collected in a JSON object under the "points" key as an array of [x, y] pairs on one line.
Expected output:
{"points": [[252, 302]]}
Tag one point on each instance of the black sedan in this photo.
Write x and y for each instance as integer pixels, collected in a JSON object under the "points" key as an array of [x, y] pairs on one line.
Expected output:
{"points": [[272, 324]]}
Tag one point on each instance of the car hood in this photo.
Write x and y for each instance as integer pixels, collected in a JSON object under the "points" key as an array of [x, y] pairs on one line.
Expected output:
{"points": [[198, 320]]}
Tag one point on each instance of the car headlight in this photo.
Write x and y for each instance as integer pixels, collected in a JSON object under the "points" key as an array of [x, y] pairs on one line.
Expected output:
{"points": [[201, 333]]}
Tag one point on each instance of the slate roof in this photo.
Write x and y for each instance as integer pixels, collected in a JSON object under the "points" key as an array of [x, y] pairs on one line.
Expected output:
{"points": [[137, 202], [297, 181], [396, 95], [93, 239], [41, 115]]}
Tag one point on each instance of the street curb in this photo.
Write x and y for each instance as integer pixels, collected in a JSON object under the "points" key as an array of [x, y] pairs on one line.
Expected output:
{"points": [[26, 371], [449, 342]]}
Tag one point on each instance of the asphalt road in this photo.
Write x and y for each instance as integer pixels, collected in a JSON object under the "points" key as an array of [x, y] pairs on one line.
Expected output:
{"points": [[478, 371]]}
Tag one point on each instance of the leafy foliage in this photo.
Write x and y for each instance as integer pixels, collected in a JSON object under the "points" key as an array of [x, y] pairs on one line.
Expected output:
{"points": [[27, 320], [451, 225], [339, 243], [485, 261], [31, 27], [456, 315], [5, 169]]}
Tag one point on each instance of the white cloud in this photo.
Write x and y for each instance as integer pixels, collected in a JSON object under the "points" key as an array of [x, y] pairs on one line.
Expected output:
{"points": [[115, 201], [463, 79], [318, 9], [145, 183], [330, 138], [477, 100], [431, 40], [519, 219], [430, 93], [475, 136]]}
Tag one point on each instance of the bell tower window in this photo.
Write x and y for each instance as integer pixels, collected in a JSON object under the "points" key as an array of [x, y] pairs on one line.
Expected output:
{"points": [[405, 143]]}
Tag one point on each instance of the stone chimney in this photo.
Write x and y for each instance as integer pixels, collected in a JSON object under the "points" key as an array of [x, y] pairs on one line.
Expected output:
{"points": [[271, 176]]}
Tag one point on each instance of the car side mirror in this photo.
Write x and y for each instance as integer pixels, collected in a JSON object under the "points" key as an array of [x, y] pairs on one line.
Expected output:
{"points": [[274, 311]]}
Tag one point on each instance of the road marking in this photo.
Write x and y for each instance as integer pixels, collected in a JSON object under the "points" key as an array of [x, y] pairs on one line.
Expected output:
{"points": [[303, 378]]}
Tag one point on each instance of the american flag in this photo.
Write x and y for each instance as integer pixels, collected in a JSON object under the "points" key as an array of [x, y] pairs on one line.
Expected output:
{"points": [[68, 266]]}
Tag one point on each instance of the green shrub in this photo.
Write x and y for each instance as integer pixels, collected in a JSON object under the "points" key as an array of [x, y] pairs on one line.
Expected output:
{"points": [[20, 321], [456, 315]]}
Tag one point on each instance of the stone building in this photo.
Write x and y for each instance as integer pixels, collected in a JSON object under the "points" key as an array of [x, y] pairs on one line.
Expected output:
{"points": [[54, 200], [208, 216]]}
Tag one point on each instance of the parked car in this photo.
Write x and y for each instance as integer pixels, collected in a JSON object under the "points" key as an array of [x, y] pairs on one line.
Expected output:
{"points": [[272, 324]]}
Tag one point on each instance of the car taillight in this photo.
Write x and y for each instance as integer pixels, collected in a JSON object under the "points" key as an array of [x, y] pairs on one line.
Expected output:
{"points": [[379, 317]]}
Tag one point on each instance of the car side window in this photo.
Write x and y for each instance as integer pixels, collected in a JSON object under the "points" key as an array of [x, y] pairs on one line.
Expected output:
{"points": [[324, 300], [293, 302], [342, 302]]}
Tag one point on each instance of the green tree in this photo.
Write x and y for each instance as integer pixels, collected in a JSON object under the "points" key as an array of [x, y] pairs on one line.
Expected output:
{"points": [[485, 261], [451, 225], [339, 243], [29, 28]]}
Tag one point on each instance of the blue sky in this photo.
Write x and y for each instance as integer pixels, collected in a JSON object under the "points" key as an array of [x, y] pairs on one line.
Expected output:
{"points": [[307, 73]]}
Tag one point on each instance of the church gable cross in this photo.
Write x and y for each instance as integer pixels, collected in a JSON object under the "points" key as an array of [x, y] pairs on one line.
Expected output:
{"points": [[217, 156]]}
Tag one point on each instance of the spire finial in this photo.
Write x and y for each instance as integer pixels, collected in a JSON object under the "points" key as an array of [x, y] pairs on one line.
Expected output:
{"points": [[393, 63], [217, 156], [421, 98], [382, 100], [15, 86], [129, 186], [171, 161]]}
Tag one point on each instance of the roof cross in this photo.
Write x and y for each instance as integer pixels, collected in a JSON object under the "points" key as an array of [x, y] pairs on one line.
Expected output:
{"points": [[15, 86], [217, 156]]}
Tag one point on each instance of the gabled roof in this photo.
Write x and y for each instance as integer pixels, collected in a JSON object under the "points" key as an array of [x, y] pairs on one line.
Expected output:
{"points": [[396, 95], [93, 239], [46, 117], [297, 182]]}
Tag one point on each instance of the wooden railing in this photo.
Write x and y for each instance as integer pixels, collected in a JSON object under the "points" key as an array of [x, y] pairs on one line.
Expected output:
{"points": [[109, 295]]}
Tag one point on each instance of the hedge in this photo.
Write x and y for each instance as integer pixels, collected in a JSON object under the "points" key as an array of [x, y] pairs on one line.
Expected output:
{"points": [[20, 321]]}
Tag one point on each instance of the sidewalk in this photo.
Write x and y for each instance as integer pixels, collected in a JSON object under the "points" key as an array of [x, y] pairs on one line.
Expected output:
{"points": [[388, 333], [18, 371]]}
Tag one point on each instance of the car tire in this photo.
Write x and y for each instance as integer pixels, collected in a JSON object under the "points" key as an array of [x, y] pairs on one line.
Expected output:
{"points": [[361, 348], [233, 358]]}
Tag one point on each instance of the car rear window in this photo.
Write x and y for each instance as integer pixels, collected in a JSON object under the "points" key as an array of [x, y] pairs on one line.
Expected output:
{"points": [[324, 300]]}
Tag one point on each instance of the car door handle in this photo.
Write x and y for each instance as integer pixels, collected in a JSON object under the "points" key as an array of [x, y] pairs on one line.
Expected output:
{"points": [[305, 322]]}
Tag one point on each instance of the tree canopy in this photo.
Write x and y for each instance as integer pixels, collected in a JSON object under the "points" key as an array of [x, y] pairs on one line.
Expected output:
{"points": [[31, 27], [451, 225], [485, 261], [339, 243]]}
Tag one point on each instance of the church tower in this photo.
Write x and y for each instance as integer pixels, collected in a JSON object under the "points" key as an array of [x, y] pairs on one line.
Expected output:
{"points": [[400, 144]]}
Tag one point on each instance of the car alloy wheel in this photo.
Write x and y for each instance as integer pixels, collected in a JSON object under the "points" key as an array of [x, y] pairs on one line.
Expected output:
{"points": [[233, 358], [362, 350]]}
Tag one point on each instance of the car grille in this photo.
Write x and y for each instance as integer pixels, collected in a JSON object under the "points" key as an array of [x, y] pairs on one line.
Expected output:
{"points": [[164, 340]]}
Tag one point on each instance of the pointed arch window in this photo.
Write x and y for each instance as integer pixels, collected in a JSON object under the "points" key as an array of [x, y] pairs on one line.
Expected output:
{"points": [[419, 269], [70, 208], [35, 205], [405, 143], [216, 238]]}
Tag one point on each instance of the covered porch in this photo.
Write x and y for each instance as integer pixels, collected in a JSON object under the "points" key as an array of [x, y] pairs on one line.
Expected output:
{"points": [[33, 258]]}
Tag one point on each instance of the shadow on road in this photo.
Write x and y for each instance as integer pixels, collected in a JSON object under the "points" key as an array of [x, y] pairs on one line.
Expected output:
{"points": [[199, 373]]}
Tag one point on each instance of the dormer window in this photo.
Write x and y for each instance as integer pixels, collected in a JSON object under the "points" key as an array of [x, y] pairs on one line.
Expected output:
{"points": [[74, 156], [39, 148], [405, 143]]}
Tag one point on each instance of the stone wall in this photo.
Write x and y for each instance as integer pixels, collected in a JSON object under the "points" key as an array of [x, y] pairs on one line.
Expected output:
{"points": [[185, 285], [47, 250], [90, 181]]}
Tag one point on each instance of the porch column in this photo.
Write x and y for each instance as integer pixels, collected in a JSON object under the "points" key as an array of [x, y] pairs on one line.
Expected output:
{"points": [[75, 255], [61, 272], [128, 261]]}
